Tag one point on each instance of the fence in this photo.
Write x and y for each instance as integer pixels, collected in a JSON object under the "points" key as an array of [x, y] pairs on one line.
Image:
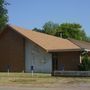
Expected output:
{"points": [[72, 73]]}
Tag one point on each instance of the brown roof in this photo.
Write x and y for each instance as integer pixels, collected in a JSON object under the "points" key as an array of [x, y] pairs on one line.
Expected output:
{"points": [[47, 42], [81, 44]]}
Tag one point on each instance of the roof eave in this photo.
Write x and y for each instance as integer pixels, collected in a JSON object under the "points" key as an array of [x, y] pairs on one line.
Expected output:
{"points": [[62, 50]]}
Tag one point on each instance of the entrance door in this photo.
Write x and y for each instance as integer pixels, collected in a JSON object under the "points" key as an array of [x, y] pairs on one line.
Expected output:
{"points": [[54, 61]]}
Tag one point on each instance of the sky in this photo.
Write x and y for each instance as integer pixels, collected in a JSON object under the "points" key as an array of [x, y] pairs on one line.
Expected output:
{"points": [[35, 13]]}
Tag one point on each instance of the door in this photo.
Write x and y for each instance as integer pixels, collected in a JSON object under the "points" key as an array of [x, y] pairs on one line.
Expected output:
{"points": [[54, 61]]}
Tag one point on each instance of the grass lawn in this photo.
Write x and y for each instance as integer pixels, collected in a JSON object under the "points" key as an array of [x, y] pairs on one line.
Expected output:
{"points": [[39, 79]]}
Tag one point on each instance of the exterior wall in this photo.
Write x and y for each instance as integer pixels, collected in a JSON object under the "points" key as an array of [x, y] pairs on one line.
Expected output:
{"points": [[36, 56], [11, 51], [68, 61], [89, 53]]}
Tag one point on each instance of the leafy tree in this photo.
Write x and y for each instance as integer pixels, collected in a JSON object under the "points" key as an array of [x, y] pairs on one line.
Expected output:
{"points": [[66, 30], [3, 14], [88, 38], [50, 28], [72, 30], [38, 30]]}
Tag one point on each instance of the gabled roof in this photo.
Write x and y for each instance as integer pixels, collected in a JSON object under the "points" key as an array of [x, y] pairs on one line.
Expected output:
{"points": [[82, 44], [47, 42]]}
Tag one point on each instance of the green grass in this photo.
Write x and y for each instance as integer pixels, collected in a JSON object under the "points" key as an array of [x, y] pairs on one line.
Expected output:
{"points": [[38, 79], [25, 78]]}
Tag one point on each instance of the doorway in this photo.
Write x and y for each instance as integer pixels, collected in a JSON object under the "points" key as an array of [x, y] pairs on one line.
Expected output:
{"points": [[54, 62]]}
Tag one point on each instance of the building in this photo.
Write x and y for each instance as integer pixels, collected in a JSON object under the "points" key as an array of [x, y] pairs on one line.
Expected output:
{"points": [[85, 46], [20, 49]]}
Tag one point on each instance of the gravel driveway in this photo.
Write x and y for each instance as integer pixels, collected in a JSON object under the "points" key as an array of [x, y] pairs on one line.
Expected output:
{"points": [[63, 87]]}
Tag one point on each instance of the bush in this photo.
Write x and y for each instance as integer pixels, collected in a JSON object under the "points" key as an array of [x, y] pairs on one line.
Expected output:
{"points": [[85, 65]]}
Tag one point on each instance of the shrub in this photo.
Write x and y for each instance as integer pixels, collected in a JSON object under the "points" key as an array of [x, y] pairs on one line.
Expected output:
{"points": [[85, 65]]}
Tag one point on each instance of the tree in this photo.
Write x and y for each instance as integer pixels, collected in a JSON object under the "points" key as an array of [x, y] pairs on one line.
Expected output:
{"points": [[88, 38], [3, 14], [66, 30], [50, 28], [38, 30], [72, 30]]}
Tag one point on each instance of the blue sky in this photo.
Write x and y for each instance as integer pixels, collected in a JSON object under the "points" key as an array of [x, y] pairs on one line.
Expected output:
{"points": [[34, 13]]}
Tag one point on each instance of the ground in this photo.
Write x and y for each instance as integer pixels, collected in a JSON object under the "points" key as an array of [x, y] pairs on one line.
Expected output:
{"points": [[24, 81]]}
